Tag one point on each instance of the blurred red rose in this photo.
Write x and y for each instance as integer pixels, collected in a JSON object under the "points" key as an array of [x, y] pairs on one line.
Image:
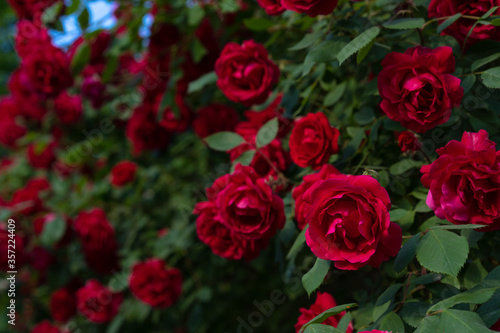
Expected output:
{"points": [[244, 204], [464, 182], [324, 301], [63, 305], [154, 284], [40, 259], [45, 327], [97, 303], [408, 142], [30, 36], [68, 108], [272, 7], [461, 27], [214, 118], [175, 120], [349, 222], [123, 173], [313, 141], [27, 200], [417, 87], [41, 155], [245, 73], [144, 132], [310, 7], [301, 207]]}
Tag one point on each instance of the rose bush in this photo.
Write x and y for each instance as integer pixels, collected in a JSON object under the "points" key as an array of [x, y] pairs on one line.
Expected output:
{"points": [[250, 166]]}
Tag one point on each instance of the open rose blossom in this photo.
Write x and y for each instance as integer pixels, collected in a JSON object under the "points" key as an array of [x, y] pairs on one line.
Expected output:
{"points": [[123, 173], [313, 141], [245, 73], [417, 87], [464, 182], [97, 303], [68, 108], [461, 27], [310, 7], [349, 222], [324, 301], [154, 284], [242, 214]]}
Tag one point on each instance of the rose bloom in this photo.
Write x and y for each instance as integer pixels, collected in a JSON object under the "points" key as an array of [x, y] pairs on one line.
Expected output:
{"points": [[324, 301], [30, 36], [10, 130], [245, 73], [45, 71], [45, 327], [349, 222], [62, 305], [408, 142], [154, 284], [272, 7], [313, 141], [123, 173], [417, 87], [301, 207], [245, 207], [310, 7], [460, 28], [464, 182], [27, 200], [31, 106], [68, 108], [144, 132], [171, 121], [97, 303], [214, 118], [40, 259], [41, 156]]}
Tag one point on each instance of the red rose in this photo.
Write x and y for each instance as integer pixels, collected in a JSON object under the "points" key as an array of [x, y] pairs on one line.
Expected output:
{"points": [[461, 27], [27, 200], [40, 222], [248, 212], [97, 303], [31, 9], [245, 73], [310, 7], [30, 36], [40, 155], [98, 46], [68, 108], [94, 89], [464, 182], [45, 327], [29, 104], [214, 118], [272, 7], [301, 207], [408, 142], [175, 120], [324, 301], [313, 141], [98, 239], [154, 284], [10, 131], [45, 71], [63, 305], [349, 222], [40, 259], [144, 131], [417, 88], [123, 173]]}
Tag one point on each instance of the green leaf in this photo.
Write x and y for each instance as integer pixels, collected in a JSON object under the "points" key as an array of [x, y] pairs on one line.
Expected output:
{"points": [[325, 52], [53, 231], [457, 227], [267, 133], [335, 95], [468, 83], [428, 325], [414, 312], [364, 52], [51, 13], [478, 296], [306, 41], [491, 77], [442, 251], [319, 328], [75, 5], [115, 325], [388, 294], [407, 253], [495, 22], [224, 141], [112, 63], [392, 323], [357, 44], [344, 322], [80, 58], [490, 311], [198, 50], [195, 14], [328, 313], [245, 158], [257, 24], [84, 18], [403, 166], [484, 61], [405, 23], [314, 278], [200, 83], [422, 207], [297, 245], [449, 21], [489, 12], [453, 321]]}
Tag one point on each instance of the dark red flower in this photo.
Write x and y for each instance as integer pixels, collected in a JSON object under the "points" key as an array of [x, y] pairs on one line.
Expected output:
{"points": [[214, 118], [144, 132], [408, 142], [45, 327], [68, 108], [41, 155], [272, 7], [97, 303], [310, 7], [63, 305], [123, 173]]}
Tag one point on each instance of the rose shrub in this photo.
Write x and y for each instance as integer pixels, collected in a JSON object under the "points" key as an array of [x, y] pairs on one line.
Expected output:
{"points": [[250, 166]]}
